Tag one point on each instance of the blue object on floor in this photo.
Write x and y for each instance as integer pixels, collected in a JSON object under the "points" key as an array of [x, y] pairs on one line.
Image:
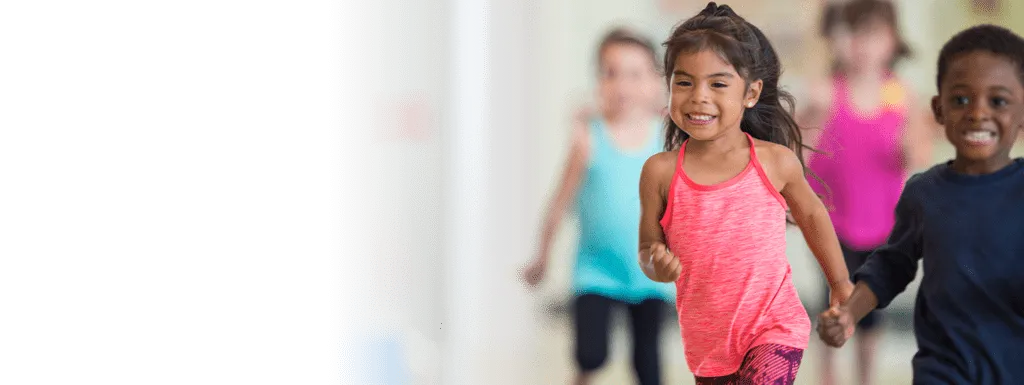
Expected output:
{"points": [[372, 359]]}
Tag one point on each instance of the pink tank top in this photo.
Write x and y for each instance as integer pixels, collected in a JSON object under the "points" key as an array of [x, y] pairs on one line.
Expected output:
{"points": [[862, 166], [736, 290]]}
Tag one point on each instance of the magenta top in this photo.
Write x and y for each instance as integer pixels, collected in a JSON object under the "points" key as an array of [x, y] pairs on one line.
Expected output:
{"points": [[862, 165]]}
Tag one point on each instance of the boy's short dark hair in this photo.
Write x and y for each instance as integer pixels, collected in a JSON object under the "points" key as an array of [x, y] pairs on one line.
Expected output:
{"points": [[984, 37]]}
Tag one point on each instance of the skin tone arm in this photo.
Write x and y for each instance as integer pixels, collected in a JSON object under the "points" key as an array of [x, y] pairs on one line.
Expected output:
{"points": [[813, 219], [656, 261], [572, 175]]}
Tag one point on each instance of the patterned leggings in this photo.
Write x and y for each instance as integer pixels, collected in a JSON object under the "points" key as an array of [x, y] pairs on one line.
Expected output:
{"points": [[768, 364]]}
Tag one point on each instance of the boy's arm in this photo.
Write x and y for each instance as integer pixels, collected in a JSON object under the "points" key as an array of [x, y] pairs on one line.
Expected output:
{"points": [[892, 267], [813, 219], [861, 302]]}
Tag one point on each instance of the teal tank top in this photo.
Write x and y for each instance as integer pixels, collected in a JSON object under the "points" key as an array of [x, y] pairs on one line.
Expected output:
{"points": [[608, 205]]}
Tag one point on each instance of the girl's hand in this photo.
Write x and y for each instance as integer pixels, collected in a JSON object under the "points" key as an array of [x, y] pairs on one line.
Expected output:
{"points": [[533, 273], [840, 292], [665, 265]]}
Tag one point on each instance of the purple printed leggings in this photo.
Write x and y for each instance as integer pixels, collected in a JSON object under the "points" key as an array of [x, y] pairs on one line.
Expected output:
{"points": [[768, 364]]}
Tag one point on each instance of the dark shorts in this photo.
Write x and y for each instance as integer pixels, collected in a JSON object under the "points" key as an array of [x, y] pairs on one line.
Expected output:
{"points": [[854, 260], [769, 364]]}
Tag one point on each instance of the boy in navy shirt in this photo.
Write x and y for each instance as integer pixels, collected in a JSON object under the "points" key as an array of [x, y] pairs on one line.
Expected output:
{"points": [[965, 220]]}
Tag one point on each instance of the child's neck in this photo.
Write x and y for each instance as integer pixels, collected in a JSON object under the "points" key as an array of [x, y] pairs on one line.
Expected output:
{"points": [[981, 167], [732, 140], [627, 120], [865, 77]]}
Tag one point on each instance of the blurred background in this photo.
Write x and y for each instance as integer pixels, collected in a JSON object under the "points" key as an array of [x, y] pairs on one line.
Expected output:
{"points": [[474, 101]]}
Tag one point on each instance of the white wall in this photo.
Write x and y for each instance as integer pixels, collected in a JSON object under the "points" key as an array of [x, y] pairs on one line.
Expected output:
{"points": [[490, 330], [403, 79]]}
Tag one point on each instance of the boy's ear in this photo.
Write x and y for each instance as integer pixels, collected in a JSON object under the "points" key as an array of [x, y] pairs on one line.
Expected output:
{"points": [[937, 109]]}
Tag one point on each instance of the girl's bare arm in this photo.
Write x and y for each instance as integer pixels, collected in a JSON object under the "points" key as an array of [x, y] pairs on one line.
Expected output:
{"points": [[813, 219], [568, 184], [654, 183]]}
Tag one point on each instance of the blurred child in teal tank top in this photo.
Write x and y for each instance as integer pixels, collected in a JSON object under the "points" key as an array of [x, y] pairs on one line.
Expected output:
{"points": [[601, 177]]}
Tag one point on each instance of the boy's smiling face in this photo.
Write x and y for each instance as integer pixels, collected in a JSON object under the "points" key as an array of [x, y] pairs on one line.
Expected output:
{"points": [[981, 106]]}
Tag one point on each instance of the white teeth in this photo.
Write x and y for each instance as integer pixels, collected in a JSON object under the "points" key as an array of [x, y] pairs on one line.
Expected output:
{"points": [[701, 117], [979, 135]]}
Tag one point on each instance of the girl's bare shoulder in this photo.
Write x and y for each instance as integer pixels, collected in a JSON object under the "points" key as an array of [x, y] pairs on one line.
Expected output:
{"points": [[664, 159], [661, 166], [777, 158], [769, 148]]}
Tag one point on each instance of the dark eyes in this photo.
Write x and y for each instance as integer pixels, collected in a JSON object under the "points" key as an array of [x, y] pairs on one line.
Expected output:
{"points": [[685, 83], [996, 101]]}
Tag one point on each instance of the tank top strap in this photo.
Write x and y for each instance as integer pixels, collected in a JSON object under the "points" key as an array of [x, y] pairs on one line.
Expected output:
{"points": [[600, 148], [679, 159], [894, 95], [596, 129], [765, 181]]}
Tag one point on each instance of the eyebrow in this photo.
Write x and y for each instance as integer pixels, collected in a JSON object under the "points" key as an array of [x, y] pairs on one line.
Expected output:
{"points": [[996, 88], [716, 74]]}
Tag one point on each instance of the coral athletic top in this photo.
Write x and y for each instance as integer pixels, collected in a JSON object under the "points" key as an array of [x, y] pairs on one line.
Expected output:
{"points": [[736, 290]]}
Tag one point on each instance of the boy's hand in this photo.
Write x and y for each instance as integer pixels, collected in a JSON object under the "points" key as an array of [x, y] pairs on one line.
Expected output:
{"points": [[665, 265], [835, 326]]}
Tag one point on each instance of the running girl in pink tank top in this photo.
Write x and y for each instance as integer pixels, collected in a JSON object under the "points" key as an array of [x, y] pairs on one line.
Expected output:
{"points": [[714, 205]]}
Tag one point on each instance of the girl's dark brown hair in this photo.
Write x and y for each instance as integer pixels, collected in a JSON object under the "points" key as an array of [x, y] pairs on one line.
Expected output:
{"points": [[743, 45], [860, 13], [627, 37], [832, 18]]}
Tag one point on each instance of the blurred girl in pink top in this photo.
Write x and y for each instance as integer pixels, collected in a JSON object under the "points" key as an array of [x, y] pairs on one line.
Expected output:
{"points": [[870, 132]]}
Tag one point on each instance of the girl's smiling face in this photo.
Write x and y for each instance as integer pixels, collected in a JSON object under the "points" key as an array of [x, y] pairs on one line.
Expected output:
{"points": [[708, 96]]}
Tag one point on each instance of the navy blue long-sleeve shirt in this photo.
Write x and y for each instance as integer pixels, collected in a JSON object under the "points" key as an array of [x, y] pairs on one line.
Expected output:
{"points": [[969, 312]]}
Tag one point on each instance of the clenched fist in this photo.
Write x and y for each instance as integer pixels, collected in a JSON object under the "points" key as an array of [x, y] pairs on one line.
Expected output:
{"points": [[663, 263], [836, 326], [533, 273]]}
